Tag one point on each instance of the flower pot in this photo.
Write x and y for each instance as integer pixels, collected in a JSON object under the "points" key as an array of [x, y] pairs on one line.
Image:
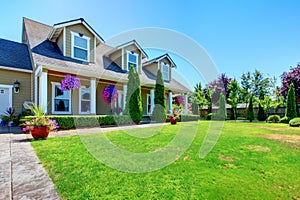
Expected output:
{"points": [[173, 120], [39, 132]]}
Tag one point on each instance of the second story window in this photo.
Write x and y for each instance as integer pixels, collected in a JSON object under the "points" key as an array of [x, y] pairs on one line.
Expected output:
{"points": [[132, 60], [165, 71], [80, 46]]}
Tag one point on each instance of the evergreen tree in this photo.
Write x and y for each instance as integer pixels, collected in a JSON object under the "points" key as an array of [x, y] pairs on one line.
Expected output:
{"points": [[159, 112], [245, 87], [130, 89], [291, 108], [250, 111], [199, 97], [135, 103], [233, 99], [261, 116]]}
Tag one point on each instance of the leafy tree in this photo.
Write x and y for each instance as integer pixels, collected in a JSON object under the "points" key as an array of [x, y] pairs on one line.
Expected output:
{"points": [[291, 103], [221, 113], [245, 87], [159, 112], [218, 86], [199, 97], [233, 99], [250, 111], [260, 86], [133, 97], [287, 78], [208, 95]]}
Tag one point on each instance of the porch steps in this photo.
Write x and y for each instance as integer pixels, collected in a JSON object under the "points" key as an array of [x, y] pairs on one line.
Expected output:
{"points": [[146, 120]]}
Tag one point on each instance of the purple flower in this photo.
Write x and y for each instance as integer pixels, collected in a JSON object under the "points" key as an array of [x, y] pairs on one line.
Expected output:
{"points": [[109, 94], [70, 83]]}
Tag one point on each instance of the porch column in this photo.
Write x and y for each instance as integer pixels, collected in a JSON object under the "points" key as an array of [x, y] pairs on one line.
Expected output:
{"points": [[186, 104], [151, 100], [125, 93], [170, 102], [43, 90], [93, 95]]}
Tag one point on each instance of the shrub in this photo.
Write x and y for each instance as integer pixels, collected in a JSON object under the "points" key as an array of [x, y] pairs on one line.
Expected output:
{"points": [[208, 117], [284, 120], [250, 111], [273, 119], [291, 108], [295, 122], [159, 114], [185, 118]]}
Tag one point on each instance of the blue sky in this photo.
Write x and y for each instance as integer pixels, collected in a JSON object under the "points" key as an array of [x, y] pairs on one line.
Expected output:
{"points": [[238, 35]]}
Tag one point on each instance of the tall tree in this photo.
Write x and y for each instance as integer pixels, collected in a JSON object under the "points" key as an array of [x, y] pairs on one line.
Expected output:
{"points": [[233, 99], [261, 115], [131, 87], [135, 103], [291, 103], [287, 78], [218, 86], [199, 97], [222, 112], [259, 84], [159, 112], [245, 87], [250, 111]]}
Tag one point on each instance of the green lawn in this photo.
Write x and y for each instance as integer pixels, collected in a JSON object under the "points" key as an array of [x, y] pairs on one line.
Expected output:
{"points": [[242, 165]]}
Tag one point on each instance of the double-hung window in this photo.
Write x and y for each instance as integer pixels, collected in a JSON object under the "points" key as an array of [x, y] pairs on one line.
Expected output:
{"points": [[149, 109], [85, 100], [165, 71], [61, 100], [80, 46], [132, 60]]}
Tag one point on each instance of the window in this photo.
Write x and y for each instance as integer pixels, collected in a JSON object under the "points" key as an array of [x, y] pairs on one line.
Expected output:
{"points": [[61, 100], [132, 59], [2, 91], [148, 104], [165, 71], [85, 100], [80, 46]]}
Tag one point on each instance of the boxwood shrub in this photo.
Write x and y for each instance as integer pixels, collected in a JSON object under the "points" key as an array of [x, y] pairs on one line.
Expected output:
{"points": [[273, 119], [295, 122]]}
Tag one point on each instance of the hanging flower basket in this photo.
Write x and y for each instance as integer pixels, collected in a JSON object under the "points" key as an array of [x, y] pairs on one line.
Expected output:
{"points": [[109, 94], [178, 100], [70, 83]]}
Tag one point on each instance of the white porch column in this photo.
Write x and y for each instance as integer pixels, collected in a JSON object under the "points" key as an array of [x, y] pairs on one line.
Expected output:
{"points": [[43, 90], [186, 104], [93, 95], [170, 102], [125, 93], [151, 100]]}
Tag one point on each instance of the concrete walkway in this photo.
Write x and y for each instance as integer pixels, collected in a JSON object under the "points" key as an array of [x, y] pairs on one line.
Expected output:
{"points": [[21, 174]]}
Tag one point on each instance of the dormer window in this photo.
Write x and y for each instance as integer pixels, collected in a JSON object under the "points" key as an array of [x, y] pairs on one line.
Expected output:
{"points": [[132, 60], [80, 46], [165, 71]]}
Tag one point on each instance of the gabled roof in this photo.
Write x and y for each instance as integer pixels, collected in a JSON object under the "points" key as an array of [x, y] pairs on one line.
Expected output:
{"points": [[134, 42], [57, 28], [160, 58], [14, 55]]}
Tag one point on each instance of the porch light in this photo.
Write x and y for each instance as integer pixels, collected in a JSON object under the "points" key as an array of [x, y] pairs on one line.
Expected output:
{"points": [[17, 86]]}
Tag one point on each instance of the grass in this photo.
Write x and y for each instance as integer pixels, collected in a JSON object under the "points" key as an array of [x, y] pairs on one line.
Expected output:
{"points": [[242, 165]]}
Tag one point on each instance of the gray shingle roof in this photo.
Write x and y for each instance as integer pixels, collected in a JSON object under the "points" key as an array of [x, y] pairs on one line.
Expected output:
{"points": [[47, 53], [14, 55]]}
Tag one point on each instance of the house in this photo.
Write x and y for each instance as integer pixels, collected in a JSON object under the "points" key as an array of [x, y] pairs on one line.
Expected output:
{"points": [[75, 48]]}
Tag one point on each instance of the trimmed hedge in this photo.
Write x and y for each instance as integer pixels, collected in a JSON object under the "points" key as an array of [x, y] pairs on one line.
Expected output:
{"points": [[186, 118], [71, 122], [284, 120], [295, 122], [273, 119]]}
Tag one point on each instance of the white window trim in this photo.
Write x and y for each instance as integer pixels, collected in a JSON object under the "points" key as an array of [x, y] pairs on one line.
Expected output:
{"points": [[80, 112], [162, 70], [148, 96], [137, 60], [88, 46], [53, 97]]}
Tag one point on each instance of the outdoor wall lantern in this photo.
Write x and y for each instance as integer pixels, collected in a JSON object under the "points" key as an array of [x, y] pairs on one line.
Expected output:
{"points": [[17, 86]]}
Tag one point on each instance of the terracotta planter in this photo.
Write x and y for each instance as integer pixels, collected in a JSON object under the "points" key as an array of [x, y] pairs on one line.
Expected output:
{"points": [[39, 132], [173, 120]]}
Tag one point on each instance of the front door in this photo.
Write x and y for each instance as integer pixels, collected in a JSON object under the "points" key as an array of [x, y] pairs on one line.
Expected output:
{"points": [[5, 99]]}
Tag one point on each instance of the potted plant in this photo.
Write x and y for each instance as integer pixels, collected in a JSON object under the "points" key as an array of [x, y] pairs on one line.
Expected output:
{"points": [[9, 116], [39, 125], [174, 117]]}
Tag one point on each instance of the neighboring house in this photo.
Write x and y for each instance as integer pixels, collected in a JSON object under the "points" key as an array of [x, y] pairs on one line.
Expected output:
{"points": [[75, 48], [15, 66]]}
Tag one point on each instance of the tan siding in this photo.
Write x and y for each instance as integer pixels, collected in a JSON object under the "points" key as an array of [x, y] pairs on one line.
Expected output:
{"points": [[102, 108], [79, 28], [144, 101], [60, 42], [8, 77], [116, 57], [152, 68]]}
